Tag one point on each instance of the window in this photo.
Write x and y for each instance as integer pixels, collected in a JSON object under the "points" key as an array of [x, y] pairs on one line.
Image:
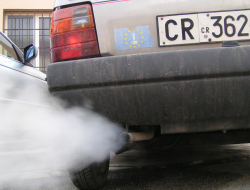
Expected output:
{"points": [[7, 48], [30, 27]]}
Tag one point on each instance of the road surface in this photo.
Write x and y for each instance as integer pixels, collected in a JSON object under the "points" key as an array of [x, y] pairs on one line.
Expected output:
{"points": [[224, 167]]}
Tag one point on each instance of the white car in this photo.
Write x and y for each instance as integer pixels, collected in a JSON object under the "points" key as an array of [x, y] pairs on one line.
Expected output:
{"points": [[161, 68], [16, 74]]}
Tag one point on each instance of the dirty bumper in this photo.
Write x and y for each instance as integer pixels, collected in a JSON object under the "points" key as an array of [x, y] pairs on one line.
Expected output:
{"points": [[183, 91]]}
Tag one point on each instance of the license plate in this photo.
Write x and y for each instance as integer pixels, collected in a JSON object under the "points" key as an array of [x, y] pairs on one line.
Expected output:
{"points": [[203, 27]]}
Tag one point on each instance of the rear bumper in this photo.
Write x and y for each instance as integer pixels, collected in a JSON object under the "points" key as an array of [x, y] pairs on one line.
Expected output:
{"points": [[182, 89]]}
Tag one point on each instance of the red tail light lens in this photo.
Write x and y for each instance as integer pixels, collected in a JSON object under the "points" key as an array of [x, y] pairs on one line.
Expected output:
{"points": [[73, 34], [74, 37], [76, 51]]}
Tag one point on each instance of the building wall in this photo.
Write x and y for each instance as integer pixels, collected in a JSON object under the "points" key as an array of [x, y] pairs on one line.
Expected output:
{"points": [[24, 5]]}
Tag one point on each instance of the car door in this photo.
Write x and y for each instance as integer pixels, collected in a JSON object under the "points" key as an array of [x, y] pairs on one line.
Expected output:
{"points": [[15, 76], [23, 99]]}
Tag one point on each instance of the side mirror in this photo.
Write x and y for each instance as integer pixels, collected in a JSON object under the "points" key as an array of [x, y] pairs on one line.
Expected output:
{"points": [[30, 53]]}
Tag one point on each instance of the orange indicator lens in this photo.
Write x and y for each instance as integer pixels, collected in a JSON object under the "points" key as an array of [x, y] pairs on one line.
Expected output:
{"points": [[72, 18]]}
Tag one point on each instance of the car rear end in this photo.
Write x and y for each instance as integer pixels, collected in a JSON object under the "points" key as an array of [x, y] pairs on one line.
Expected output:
{"points": [[172, 68], [122, 27], [160, 62]]}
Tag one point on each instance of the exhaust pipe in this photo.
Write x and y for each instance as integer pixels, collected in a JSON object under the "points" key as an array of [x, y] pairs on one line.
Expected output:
{"points": [[136, 136], [125, 138]]}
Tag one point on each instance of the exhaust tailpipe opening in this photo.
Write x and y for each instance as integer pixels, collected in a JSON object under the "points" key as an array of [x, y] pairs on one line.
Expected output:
{"points": [[136, 136]]}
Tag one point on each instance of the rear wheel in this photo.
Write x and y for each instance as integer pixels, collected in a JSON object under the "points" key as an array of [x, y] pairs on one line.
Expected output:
{"points": [[91, 177]]}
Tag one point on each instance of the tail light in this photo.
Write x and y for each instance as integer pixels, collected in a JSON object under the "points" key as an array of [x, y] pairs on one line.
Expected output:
{"points": [[72, 34]]}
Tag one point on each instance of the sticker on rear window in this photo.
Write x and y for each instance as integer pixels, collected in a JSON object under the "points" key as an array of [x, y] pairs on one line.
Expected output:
{"points": [[138, 37]]}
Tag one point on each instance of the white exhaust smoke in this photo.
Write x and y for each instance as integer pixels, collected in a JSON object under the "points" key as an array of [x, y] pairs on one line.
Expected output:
{"points": [[32, 121]]}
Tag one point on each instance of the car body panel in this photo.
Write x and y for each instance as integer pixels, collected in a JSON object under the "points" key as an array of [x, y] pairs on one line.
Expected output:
{"points": [[16, 76], [15, 65], [187, 91], [131, 14], [184, 88], [19, 76], [20, 84]]}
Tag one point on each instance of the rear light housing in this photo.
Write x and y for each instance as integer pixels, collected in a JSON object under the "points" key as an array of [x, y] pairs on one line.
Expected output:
{"points": [[72, 34]]}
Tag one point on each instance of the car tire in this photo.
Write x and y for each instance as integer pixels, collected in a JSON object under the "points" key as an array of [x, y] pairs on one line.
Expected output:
{"points": [[92, 177]]}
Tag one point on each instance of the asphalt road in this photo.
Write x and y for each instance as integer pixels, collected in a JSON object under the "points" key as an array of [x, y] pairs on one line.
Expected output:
{"points": [[224, 167]]}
